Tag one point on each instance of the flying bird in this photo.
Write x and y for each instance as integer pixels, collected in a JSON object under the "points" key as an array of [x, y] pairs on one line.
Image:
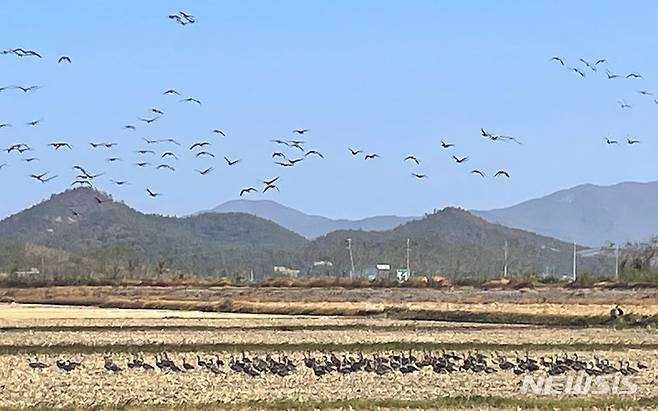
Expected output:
{"points": [[270, 187], [206, 171], [502, 173], [42, 177], [558, 59], [165, 166], [272, 181], [130, 127], [633, 75], [355, 152], [446, 145], [157, 111], [218, 131], [171, 91], [371, 156], [143, 152], [17, 147], [609, 141], [313, 152], [190, 18], [80, 169], [190, 100], [204, 153], [119, 182], [57, 146], [645, 92], [419, 176], [460, 160], [631, 142], [27, 89], [152, 194], [176, 18], [478, 172], [412, 158], [247, 190], [143, 164], [301, 131], [38, 176], [589, 65], [297, 145], [33, 123], [3, 125], [624, 105], [577, 71], [170, 140], [200, 145], [64, 59], [148, 120], [231, 163], [612, 76], [169, 154], [81, 183], [278, 154]]}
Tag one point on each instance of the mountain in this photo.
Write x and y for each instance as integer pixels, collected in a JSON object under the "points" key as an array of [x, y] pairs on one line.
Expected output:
{"points": [[588, 214], [448, 241], [74, 220], [309, 226]]}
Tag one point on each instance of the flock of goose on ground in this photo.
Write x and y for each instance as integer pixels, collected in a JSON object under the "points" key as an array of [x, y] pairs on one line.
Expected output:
{"points": [[377, 363]]}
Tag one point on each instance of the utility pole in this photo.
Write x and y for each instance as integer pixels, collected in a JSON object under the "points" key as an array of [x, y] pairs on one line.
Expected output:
{"points": [[349, 248], [617, 264], [505, 268], [408, 252], [574, 262]]}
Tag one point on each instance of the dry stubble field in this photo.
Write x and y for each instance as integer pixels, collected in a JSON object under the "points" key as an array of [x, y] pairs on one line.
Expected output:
{"points": [[46, 334]]}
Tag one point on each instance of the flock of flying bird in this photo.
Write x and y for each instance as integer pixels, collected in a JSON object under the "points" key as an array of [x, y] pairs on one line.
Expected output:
{"points": [[597, 67], [289, 154], [377, 363]]}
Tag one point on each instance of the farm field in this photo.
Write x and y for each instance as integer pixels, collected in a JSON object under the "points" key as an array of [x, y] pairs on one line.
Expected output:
{"points": [[219, 345], [549, 301]]}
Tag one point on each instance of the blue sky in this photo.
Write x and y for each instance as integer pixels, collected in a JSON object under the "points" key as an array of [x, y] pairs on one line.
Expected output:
{"points": [[391, 77]]}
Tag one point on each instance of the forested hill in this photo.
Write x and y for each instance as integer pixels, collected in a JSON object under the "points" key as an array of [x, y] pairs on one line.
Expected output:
{"points": [[449, 241], [86, 219]]}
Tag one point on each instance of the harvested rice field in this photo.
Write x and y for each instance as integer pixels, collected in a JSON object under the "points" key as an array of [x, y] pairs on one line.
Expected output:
{"points": [[82, 357]]}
